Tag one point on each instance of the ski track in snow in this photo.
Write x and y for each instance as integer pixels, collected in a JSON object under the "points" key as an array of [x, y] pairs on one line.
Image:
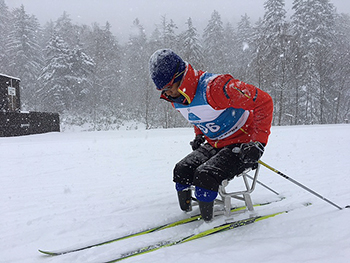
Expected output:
{"points": [[59, 190]]}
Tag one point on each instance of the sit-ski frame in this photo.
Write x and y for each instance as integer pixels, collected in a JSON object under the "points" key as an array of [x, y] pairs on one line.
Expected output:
{"points": [[243, 195]]}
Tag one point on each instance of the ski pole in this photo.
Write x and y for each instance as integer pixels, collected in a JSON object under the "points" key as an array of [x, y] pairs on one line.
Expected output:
{"points": [[299, 184], [264, 185]]}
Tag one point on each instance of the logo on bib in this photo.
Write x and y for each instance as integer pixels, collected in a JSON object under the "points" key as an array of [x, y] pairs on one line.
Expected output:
{"points": [[193, 117]]}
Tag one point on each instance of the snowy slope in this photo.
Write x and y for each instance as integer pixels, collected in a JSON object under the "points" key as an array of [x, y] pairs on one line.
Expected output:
{"points": [[62, 189]]}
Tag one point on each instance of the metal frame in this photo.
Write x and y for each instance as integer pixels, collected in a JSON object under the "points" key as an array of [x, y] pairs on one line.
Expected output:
{"points": [[225, 198], [243, 195]]}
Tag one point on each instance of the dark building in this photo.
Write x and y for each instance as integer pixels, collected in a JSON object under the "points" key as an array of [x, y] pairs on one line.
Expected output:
{"points": [[9, 94], [13, 122]]}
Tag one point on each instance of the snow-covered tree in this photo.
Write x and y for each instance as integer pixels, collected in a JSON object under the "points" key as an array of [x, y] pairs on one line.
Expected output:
{"points": [[230, 50], [166, 34], [341, 76], [105, 51], [313, 27], [155, 41], [244, 47], [81, 67], [55, 92], [303, 64], [66, 29], [213, 39], [135, 74], [191, 49], [273, 45], [4, 31], [26, 56], [65, 78]]}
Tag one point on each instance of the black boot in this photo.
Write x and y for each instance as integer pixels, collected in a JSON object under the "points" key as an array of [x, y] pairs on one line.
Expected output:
{"points": [[207, 210], [185, 200]]}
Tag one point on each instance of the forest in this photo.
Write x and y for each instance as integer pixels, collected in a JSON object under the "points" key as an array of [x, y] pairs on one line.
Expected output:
{"points": [[85, 74]]}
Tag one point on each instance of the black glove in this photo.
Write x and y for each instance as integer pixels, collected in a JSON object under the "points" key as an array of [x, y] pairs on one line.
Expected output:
{"points": [[250, 153], [197, 141]]}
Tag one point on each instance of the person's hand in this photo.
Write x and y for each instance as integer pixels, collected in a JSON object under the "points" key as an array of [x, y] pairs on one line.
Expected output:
{"points": [[198, 140], [250, 153]]}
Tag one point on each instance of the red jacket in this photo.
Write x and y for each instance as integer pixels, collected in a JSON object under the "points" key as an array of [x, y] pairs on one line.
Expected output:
{"points": [[224, 91]]}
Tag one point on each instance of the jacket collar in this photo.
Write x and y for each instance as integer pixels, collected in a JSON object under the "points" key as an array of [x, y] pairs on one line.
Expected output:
{"points": [[188, 85]]}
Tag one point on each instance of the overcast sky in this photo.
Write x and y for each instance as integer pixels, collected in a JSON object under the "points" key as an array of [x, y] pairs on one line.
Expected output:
{"points": [[121, 13]]}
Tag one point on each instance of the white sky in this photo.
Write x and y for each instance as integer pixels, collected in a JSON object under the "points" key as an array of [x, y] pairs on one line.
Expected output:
{"points": [[121, 13]]}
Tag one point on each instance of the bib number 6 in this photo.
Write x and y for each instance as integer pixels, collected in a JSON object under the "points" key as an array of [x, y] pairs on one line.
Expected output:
{"points": [[209, 127]]}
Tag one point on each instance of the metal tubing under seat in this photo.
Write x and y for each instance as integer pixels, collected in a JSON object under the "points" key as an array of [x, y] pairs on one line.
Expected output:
{"points": [[243, 195]]}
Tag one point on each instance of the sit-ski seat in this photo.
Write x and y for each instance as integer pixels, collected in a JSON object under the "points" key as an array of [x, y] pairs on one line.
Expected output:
{"points": [[243, 195]]}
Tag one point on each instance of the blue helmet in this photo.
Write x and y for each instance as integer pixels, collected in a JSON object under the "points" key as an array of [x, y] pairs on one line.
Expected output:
{"points": [[164, 65]]}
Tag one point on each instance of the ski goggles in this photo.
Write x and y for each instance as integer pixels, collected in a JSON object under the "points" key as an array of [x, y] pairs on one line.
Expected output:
{"points": [[171, 83]]}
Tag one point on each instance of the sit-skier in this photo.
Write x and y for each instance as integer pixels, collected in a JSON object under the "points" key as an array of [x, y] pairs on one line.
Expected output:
{"points": [[226, 113]]}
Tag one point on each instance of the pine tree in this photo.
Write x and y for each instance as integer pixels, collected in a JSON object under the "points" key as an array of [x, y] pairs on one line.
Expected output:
{"points": [[313, 26], [135, 90], [191, 48], [55, 92], [4, 31], [230, 50], [65, 78], [244, 46], [273, 47], [26, 57], [105, 51], [213, 38], [341, 76], [167, 30], [155, 41], [299, 61], [66, 29], [81, 68]]}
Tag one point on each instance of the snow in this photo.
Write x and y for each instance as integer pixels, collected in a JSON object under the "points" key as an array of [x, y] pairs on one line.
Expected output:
{"points": [[10, 77], [156, 57], [245, 46], [62, 189]]}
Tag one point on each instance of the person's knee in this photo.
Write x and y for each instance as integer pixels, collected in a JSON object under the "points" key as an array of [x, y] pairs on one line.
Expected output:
{"points": [[207, 177], [182, 174]]}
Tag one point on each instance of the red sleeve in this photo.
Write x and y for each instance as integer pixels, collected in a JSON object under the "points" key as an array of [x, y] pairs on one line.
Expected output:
{"points": [[197, 131], [225, 91]]}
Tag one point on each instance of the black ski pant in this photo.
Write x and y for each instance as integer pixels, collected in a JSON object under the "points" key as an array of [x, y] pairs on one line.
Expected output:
{"points": [[207, 167]]}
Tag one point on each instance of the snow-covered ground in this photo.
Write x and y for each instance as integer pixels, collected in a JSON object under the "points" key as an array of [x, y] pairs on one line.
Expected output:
{"points": [[58, 190]]}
